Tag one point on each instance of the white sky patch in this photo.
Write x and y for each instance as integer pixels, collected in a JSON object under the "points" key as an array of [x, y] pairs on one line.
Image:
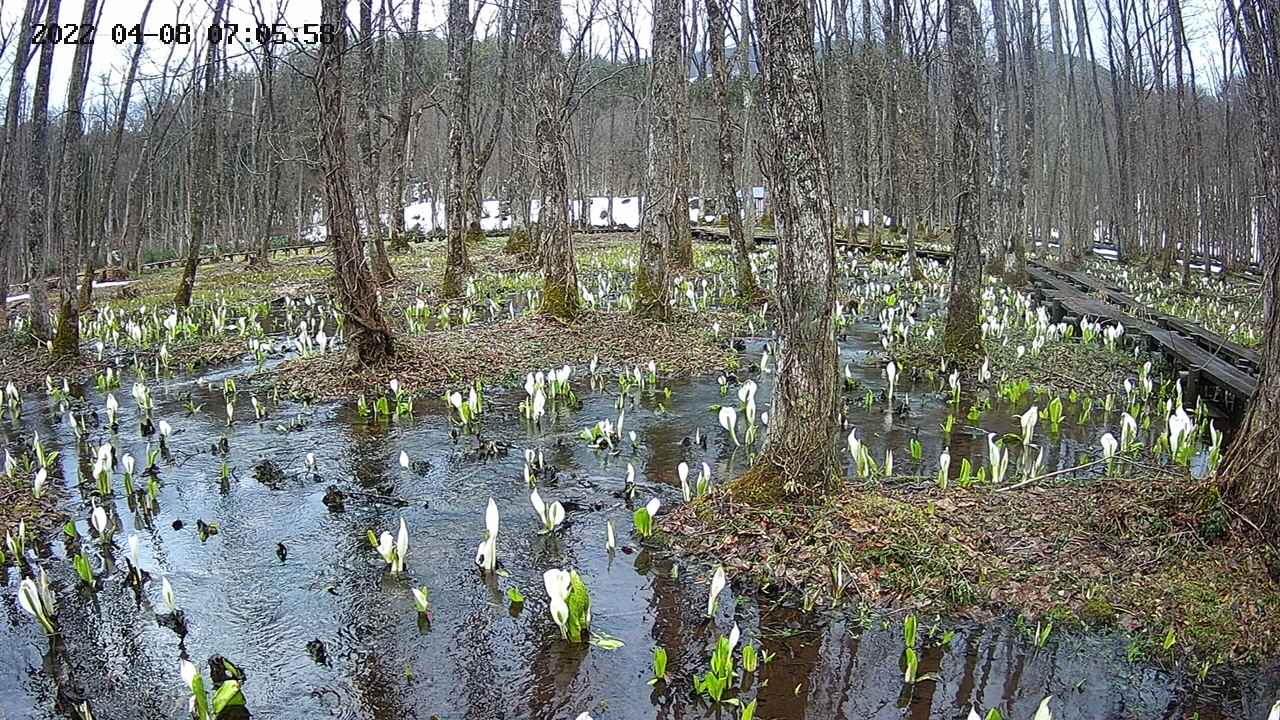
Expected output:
{"points": [[112, 59]]}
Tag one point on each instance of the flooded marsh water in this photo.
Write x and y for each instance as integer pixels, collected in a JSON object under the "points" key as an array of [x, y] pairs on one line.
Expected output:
{"points": [[292, 593]]}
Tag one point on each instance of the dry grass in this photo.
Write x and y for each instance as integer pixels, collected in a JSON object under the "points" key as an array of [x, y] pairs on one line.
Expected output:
{"points": [[26, 364], [16, 503], [505, 350], [1144, 554]]}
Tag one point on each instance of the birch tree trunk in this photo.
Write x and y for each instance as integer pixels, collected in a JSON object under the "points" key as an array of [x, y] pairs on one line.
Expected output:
{"points": [[963, 340], [799, 452], [365, 330], [555, 238]]}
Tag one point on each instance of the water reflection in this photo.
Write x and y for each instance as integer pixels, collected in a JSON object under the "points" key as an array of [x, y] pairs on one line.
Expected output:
{"points": [[478, 659]]}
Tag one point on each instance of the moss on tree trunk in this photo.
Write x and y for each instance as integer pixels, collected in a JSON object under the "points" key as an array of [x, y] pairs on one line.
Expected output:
{"points": [[963, 339], [799, 454], [559, 268]]}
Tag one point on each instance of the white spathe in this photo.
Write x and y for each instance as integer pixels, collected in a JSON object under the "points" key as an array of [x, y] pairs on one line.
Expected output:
{"points": [[718, 582]]}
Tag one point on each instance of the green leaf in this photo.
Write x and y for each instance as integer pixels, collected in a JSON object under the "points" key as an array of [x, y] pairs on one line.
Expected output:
{"points": [[514, 595], [605, 641], [579, 602], [232, 670], [227, 696]]}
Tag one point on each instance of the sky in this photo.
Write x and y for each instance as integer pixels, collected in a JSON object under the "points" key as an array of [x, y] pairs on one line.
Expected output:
{"points": [[114, 58], [109, 57]]}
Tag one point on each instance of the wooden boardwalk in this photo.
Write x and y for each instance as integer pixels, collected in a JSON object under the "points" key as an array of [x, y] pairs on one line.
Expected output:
{"points": [[1221, 371], [717, 234], [244, 255]]}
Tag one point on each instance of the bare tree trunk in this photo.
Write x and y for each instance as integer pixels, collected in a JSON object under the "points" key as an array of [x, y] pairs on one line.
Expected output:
{"points": [[870, 141], [457, 80], [841, 75], [1251, 469], [659, 219], [134, 209], [370, 146], [38, 190], [409, 45], [1202, 189], [131, 238], [889, 200], [680, 237], [1180, 228], [963, 340], [799, 454], [67, 227], [365, 329], [555, 239], [204, 174], [742, 54], [748, 289], [98, 227], [1068, 244], [9, 156], [266, 171], [1015, 251], [1123, 206], [1000, 145]]}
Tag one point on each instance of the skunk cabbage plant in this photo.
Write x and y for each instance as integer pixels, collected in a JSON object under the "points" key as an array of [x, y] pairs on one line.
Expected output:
{"points": [[717, 586], [570, 602], [999, 459], [487, 553], [1109, 447], [644, 517], [729, 421], [36, 598], [392, 550], [1028, 420], [550, 515]]}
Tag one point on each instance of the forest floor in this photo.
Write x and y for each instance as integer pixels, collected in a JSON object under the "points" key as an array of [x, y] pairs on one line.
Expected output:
{"points": [[17, 505], [503, 351], [27, 363], [1153, 555]]}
